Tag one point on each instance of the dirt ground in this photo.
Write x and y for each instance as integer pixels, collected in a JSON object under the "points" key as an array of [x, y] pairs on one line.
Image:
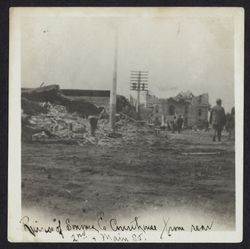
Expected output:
{"points": [[130, 177]]}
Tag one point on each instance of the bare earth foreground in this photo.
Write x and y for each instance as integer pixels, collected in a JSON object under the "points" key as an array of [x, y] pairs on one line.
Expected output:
{"points": [[131, 178]]}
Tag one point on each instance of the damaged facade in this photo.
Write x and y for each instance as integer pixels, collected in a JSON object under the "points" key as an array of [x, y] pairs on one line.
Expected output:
{"points": [[194, 109]]}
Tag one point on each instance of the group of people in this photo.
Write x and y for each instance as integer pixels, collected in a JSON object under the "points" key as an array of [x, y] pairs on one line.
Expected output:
{"points": [[219, 120], [174, 125], [177, 124]]}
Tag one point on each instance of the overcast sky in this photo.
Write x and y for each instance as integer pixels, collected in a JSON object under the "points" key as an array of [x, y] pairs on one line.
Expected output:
{"points": [[180, 53]]}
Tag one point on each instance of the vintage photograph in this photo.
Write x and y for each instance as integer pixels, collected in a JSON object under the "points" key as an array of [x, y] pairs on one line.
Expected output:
{"points": [[126, 124]]}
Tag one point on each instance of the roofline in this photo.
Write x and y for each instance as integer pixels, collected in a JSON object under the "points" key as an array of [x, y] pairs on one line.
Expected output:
{"points": [[86, 92]]}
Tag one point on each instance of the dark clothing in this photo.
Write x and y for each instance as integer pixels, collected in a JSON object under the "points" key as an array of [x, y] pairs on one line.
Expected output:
{"points": [[217, 119], [174, 125], [93, 124], [179, 124], [231, 124], [233, 118], [218, 116], [217, 132], [206, 126]]}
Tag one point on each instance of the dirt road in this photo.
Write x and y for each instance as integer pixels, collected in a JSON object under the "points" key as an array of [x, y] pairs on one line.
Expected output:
{"points": [[127, 178]]}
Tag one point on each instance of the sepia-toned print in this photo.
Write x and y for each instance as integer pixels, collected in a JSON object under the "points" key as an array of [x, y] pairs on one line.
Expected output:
{"points": [[126, 125]]}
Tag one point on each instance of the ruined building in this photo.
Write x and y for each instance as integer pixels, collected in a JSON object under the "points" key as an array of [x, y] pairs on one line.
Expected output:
{"points": [[194, 109]]}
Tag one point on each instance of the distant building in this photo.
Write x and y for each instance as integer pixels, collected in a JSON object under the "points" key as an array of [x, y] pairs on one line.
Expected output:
{"points": [[194, 109]]}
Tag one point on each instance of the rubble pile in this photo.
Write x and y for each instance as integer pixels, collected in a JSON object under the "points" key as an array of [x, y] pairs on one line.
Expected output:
{"points": [[138, 132], [60, 120], [48, 115], [124, 106], [58, 125], [32, 108]]}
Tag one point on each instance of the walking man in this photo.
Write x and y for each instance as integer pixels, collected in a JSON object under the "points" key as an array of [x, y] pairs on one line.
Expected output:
{"points": [[174, 124], [217, 119], [180, 121]]}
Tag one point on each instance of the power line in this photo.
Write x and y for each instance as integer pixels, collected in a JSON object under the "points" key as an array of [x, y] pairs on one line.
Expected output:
{"points": [[138, 82]]}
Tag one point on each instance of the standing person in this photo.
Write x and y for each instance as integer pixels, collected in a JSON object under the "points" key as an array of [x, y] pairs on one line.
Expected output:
{"points": [[231, 128], [228, 121], [179, 123], [217, 119], [174, 122], [206, 126], [169, 126], [93, 120]]}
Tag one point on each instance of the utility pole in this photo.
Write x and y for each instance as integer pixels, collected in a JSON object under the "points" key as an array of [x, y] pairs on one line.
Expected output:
{"points": [[113, 89], [138, 82], [138, 94]]}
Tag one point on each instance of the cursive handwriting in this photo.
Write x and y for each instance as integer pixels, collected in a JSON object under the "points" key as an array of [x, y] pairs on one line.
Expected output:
{"points": [[77, 227], [201, 228], [112, 229], [170, 229], [133, 226], [35, 228]]}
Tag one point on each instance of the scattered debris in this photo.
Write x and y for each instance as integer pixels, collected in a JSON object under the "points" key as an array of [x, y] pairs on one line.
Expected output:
{"points": [[50, 117], [39, 135]]}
